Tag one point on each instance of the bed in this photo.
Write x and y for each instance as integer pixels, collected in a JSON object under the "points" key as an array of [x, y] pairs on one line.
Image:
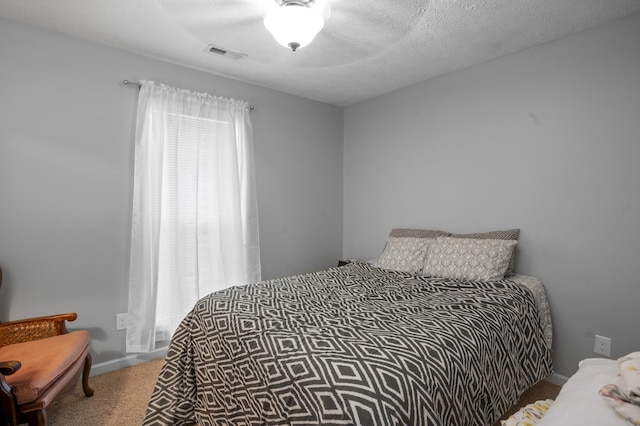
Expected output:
{"points": [[357, 345]]}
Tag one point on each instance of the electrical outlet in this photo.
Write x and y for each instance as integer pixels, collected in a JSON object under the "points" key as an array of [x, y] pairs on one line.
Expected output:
{"points": [[602, 345], [121, 321]]}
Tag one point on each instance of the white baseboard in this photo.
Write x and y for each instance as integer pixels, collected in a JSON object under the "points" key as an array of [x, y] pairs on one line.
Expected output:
{"points": [[557, 379], [127, 361]]}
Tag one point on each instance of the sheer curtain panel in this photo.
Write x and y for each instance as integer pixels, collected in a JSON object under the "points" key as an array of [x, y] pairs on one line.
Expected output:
{"points": [[194, 221]]}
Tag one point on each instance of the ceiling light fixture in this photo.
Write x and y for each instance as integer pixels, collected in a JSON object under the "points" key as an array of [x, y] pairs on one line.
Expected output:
{"points": [[294, 23]]}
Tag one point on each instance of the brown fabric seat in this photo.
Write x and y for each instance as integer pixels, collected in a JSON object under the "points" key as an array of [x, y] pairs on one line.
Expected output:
{"points": [[43, 362]]}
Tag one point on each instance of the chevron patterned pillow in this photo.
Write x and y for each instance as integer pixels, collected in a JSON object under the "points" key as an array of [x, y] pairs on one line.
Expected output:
{"points": [[404, 254], [468, 258], [509, 234]]}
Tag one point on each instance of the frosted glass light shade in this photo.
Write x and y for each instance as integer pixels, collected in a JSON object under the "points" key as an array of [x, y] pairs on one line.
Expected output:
{"points": [[293, 25]]}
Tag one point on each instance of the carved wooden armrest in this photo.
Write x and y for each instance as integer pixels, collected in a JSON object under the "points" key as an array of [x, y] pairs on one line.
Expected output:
{"points": [[7, 397], [27, 330], [9, 367]]}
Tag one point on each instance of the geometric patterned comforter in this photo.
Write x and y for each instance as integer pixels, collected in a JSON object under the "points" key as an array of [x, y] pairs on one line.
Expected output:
{"points": [[354, 345]]}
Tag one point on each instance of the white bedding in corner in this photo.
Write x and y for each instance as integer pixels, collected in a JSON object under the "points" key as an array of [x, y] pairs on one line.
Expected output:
{"points": [[579, 403]]}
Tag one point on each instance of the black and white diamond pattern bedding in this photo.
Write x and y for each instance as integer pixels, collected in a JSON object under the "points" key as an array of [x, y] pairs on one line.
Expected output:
{"points": [[355, 345]]}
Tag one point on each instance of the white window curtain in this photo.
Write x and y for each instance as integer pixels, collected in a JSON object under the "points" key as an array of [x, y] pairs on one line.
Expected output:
{"points": [[194, 222]]}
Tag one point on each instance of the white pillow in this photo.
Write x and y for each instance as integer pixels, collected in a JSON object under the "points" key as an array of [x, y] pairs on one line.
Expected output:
{"points": [[579, 403], [404, 254], [468, 258]]}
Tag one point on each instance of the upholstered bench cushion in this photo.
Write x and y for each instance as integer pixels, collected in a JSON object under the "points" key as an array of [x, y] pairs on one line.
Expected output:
{"points": [[43, 362]]}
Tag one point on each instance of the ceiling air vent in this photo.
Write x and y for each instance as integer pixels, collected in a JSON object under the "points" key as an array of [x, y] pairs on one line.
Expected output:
{"points": [[225, 53]]}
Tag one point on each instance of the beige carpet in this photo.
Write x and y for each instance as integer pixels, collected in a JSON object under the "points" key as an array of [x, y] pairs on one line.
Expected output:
{"points": [[121, 398], [543, 390]]}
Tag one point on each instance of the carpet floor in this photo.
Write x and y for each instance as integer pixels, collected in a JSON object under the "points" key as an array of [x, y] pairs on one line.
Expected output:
{"points": [[121, 398]]}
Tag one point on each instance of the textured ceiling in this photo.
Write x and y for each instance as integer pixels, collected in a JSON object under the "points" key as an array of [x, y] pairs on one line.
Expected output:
{"points": [[367, 47]]}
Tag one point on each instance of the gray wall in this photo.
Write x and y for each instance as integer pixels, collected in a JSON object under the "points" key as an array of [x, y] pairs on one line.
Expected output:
{"points": [[66, 138], [547, 140]]}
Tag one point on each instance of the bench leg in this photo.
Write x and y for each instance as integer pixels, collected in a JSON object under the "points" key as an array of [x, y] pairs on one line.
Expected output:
{"points": [[85, 376], [37, 418]]}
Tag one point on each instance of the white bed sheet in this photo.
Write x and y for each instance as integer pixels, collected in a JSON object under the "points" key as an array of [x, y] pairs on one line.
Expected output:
{"points": [[579, 403], [537, 289]]}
